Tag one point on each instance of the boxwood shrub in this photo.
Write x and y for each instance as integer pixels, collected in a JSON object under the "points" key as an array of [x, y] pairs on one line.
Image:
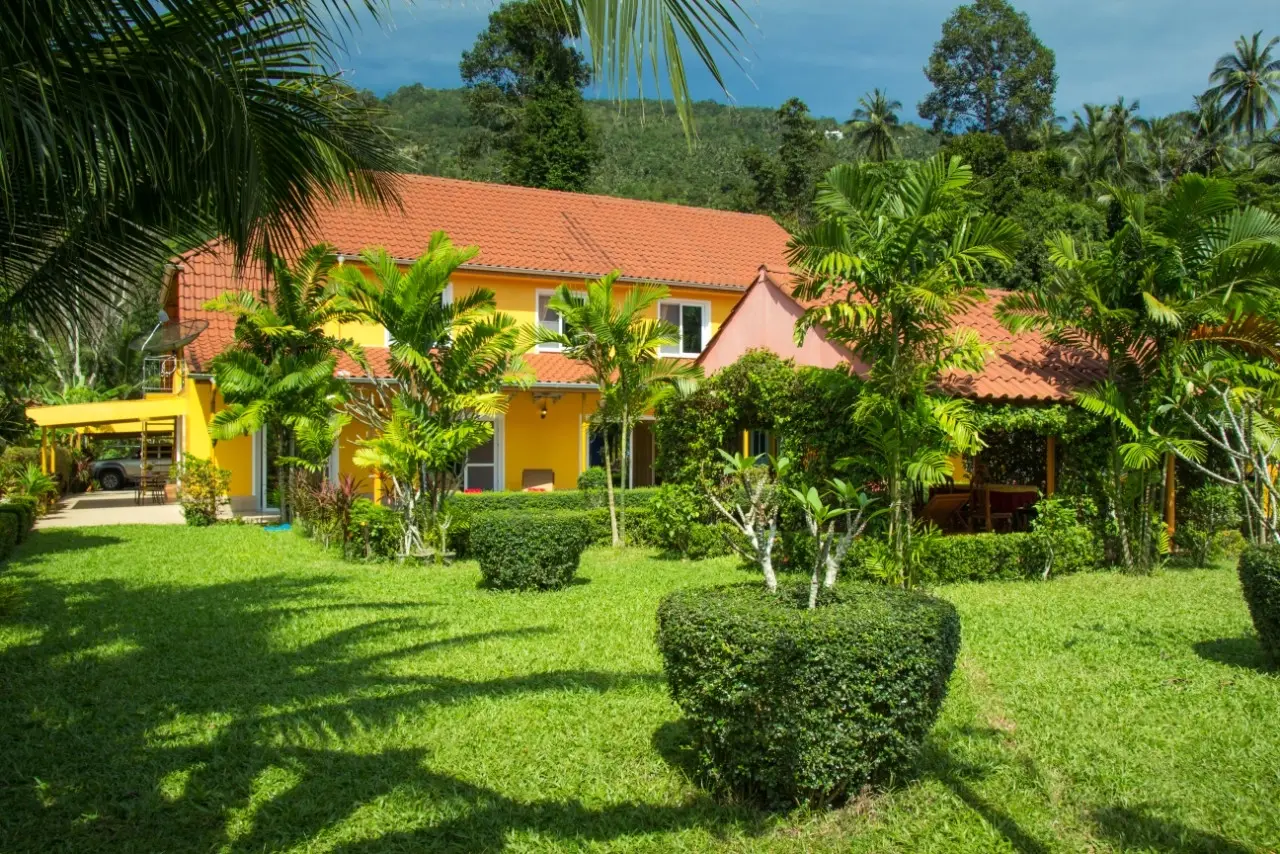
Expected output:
{"points": [[530, 549], [992, 557], [1260, 579], [23, 514], [8, 533], [787, 705], [464, 507]]}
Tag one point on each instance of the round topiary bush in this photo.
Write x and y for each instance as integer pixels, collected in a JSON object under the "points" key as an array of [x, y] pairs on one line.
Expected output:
{"points": [[1260, 579], [787, 705], [529, 549]]}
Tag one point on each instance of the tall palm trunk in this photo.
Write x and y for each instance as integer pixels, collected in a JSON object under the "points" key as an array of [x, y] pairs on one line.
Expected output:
{"points": [[608, 488]]}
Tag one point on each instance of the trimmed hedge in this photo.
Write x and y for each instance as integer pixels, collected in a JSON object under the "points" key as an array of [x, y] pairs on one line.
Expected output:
{"points": [[529, 549], [464, 507], [787, 705], [1260, 580], [8, 534], [23, 511], [376, 530]]}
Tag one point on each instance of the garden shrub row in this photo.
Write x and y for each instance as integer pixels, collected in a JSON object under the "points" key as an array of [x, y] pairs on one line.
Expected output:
{"points": [[1260, 580], [529, 549], [787, 705], [24, 510], [464, 507]]}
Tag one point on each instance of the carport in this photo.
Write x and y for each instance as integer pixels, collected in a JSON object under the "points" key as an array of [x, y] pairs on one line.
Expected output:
{"points": [[160, 414]]}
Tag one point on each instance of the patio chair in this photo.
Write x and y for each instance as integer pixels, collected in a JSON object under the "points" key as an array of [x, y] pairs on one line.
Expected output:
{"points": [[538, 480], [943, 510]]}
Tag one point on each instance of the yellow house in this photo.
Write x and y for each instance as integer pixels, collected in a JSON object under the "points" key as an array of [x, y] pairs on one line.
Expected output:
{"points": [[530, 241]]}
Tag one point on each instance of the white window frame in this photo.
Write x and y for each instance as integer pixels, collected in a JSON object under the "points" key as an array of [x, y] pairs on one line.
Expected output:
{"points": [[387, 340], [499, 458], [705, 306], [549, 347]]}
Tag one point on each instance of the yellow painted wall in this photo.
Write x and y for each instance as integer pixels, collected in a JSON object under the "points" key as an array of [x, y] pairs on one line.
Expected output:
{"points": [[557, 442], [533, 442], [516, 295], [364, 334], [236, 455]]}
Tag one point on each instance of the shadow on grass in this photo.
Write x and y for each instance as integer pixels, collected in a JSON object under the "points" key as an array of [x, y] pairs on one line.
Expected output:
{"points": [[960, 777], [55, 540], [148, 717], [1138, 827], [1243, 652]]}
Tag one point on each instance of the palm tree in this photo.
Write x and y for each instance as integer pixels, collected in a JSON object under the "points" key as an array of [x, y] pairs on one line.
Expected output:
{"points": [[279, 374], [1211, 129], [130, 131], [1248, 83], [450, 361], [1165, 146], [1173, 284], [889, 263], [1266, 152], [1049, 135], [626, 37], [619, 339], [874, 123], [1119, 127]]}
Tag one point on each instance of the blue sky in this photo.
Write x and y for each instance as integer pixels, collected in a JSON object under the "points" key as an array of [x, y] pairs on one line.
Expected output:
{"points": [[829, 52]]}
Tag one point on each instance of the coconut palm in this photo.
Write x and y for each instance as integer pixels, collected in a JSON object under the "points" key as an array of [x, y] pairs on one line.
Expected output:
{"points": [[874, 123], [1248, 83], [1119, 129], [619, 339], [129, 130], [450, 360], [889, 263], [625, 38]]}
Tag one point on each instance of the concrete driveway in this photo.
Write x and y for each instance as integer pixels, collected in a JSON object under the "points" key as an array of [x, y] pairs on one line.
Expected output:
{"points": [[109, 508]]}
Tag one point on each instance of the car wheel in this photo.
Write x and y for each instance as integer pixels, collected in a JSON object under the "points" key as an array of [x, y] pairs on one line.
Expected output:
{"points": [[111, 479]]}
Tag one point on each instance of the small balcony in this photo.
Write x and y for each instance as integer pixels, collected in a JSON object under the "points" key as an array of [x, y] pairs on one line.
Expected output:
{"points": [[162, 374]]}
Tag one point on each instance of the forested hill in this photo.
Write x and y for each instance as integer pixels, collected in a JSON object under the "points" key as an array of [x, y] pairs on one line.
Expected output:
{"points": [[644, 152]]}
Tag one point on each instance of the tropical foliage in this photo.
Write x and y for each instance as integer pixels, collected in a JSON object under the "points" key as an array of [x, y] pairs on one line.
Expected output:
{"points": [[1187, 277], [888, 265], [132, 129], [450, 358], [619, 340], [279, 376]]}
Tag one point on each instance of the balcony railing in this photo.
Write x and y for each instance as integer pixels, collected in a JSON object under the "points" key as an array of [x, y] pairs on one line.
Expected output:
{"points": [[162, 373]]}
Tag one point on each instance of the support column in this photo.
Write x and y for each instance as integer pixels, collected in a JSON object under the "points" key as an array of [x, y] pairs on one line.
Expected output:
{"points": [[377, 486], [44, 450], [1050, 465], [1170, 496]]}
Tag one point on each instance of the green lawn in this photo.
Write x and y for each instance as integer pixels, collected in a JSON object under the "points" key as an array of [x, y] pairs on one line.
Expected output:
{"points": [[171, 689]]}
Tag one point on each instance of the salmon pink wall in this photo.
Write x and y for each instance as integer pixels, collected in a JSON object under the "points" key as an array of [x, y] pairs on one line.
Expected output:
{"points": [[766, 319]]}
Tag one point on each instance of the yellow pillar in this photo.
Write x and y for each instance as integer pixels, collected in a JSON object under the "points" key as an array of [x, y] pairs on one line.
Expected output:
{"points": [[1050, 463], [746, 443], [377, 486], [1170, 496], [44, 450]]}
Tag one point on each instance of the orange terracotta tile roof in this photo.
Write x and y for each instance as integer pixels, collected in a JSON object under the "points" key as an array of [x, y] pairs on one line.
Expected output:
{"points": [[1023, 368], [517, 229]]}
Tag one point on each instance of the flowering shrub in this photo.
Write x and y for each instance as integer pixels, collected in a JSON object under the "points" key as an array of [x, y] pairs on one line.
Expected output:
{"points": [[202, 490]]}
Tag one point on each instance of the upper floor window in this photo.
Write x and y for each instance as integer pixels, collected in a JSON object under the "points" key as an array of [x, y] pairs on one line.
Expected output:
{"points": [[550, 319], [692, 320], [445, 298]]}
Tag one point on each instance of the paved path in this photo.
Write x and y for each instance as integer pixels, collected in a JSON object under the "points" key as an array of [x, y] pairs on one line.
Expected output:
{"points": [[109, 508]]}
